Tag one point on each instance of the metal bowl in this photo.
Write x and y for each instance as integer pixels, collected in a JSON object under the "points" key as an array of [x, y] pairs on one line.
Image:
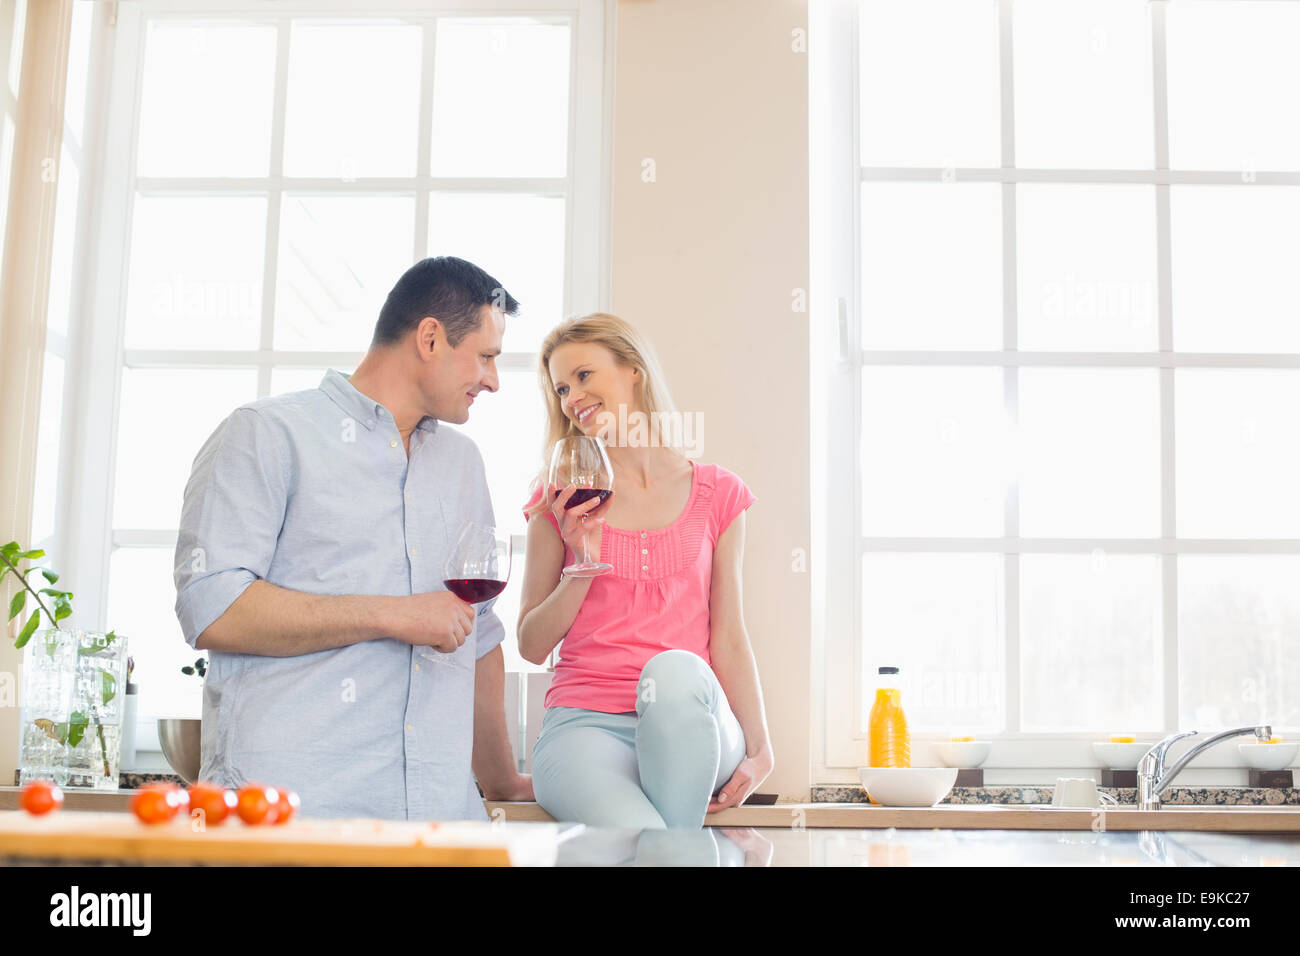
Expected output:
{"points": [[182, 744]]}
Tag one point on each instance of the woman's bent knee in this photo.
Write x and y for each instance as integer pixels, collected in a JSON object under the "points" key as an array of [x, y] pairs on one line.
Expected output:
{"points": [[676, 677]]}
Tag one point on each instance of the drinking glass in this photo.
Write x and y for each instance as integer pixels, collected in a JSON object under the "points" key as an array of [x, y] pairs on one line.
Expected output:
{"points": [[580, 460], [476, 571]]}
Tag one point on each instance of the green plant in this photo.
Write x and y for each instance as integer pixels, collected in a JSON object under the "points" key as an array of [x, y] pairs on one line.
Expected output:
{"points": [[10, 555], [71, 732]]}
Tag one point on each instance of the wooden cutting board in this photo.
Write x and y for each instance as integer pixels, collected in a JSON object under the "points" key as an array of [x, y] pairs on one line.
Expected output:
{"points": [[120, 837]]}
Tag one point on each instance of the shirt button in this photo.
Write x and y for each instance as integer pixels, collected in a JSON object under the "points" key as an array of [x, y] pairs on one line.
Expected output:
{"points": [[409, 727], [417, 667], [643, 534], [393, 443], [408, 496], [413, 552], [644, 551], [645, 567]]}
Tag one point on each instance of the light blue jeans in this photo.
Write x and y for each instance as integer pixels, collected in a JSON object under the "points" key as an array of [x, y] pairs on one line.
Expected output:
{"points": [[651, 769]]}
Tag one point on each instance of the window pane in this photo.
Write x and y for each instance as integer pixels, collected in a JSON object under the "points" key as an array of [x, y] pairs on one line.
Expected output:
{"points": [[1090, 645], [16, 45], [358, 121], [1090, 452], [206, 105], [1239, 660], [500, 98], [196, 273], [931, 266], [1233, 256], [339, 257], [519, 241], [293, 379], [933, 451], [1238, 462], [141, 596], [48, 437], [930, 90], [1083, 84], [1233, 77], [166, 416], [74, 107], [65, 239], [939, 618], [1087, 267], [509, 428], [6, 172]]}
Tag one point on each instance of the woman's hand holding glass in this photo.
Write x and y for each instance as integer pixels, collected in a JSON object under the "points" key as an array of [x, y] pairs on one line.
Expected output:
{"points": [[581, 527], [581, 471]]}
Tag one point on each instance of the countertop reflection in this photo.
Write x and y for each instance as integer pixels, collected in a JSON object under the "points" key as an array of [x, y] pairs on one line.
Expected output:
{"points": [[725, 846]]}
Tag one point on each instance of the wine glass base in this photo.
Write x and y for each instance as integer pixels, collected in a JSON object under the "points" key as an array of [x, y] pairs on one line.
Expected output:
{"points": [[589, 570]]}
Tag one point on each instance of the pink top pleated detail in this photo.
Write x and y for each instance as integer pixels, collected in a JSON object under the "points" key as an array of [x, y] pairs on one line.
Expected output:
{"points": [[655, 599]]}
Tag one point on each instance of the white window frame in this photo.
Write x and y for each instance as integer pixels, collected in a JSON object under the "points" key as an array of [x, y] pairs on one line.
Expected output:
{"points": [[10, 24], [86, 536], [838, 363]]}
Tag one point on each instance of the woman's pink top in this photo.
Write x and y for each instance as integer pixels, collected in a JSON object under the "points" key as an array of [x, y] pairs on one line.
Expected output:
{"points": [[655, 599]]}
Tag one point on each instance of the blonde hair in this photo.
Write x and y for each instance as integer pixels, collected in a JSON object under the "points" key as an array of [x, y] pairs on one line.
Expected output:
{"points": [[630, 349]]}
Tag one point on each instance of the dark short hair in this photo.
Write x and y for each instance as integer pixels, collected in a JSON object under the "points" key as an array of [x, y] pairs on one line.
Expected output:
{"points": [[451, 290]]}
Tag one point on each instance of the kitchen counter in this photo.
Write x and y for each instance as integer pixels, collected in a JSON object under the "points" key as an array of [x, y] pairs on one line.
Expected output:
{"points": [[1273, 818], [905, 848], [1240, 819], [795, 847]]}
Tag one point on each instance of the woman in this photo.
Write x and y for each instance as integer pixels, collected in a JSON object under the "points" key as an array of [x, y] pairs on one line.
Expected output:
{"points": [[655, 715]]}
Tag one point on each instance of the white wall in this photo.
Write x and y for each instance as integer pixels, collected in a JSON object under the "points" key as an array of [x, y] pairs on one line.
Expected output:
{"points": [[705, 259]]}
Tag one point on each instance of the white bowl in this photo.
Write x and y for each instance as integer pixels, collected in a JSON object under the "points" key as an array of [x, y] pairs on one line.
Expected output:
{"points": [[962, 753], [1120, 756], [1268, 756], [907, 786]]}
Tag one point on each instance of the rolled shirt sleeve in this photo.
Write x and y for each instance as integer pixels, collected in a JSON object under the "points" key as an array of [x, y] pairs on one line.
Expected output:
{"points": [[233, 510]]}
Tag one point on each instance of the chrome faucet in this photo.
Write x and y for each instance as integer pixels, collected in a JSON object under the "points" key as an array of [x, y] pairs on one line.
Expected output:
{"points": [[1153, 778]]}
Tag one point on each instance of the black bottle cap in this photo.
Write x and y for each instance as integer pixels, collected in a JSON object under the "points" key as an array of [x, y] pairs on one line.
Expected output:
{"points": [[888, 670]]}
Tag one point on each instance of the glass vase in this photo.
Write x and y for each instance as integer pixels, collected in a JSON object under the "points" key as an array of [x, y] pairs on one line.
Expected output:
{"points": [[74, 683]]}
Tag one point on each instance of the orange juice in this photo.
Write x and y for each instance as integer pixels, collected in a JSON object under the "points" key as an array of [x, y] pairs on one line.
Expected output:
{"points": [[888, 743]]}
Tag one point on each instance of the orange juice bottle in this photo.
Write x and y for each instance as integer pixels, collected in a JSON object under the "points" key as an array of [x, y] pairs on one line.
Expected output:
{"points": [[888, 743]]}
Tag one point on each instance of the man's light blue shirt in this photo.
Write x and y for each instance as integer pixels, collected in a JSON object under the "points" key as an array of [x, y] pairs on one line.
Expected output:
{"points": [[313, 491]]}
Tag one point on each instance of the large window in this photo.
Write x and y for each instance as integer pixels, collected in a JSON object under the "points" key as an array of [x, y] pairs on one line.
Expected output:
{"points": [[1059, 237], [269, 172]]}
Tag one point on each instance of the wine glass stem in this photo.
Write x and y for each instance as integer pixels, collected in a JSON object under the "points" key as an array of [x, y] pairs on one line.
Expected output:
{"points": [[586, 558]]}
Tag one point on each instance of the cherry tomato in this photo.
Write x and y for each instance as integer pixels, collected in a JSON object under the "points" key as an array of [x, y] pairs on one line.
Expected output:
{"points": [[41, 796], [217, 803], [159, 802], [288, 805], [257, 803]]}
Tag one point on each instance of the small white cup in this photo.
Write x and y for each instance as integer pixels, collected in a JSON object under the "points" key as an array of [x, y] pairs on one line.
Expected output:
{"points": [[1080, 792]]}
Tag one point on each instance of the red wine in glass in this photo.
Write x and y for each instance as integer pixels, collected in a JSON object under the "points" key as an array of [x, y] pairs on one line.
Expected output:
{"points": [[581, 461], [478, 566], [474, 590], [585, 494]]}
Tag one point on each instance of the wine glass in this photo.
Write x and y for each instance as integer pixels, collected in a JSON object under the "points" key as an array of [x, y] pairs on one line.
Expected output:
{"points": [[479, 565], [475, 571], [580, 460]]}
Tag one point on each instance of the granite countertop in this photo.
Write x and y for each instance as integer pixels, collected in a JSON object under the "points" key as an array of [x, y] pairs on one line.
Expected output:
{"points": [[1185, 796]]}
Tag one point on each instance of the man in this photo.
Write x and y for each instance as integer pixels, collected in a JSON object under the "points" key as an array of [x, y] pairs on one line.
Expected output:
{"points": [[309, 566]]}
